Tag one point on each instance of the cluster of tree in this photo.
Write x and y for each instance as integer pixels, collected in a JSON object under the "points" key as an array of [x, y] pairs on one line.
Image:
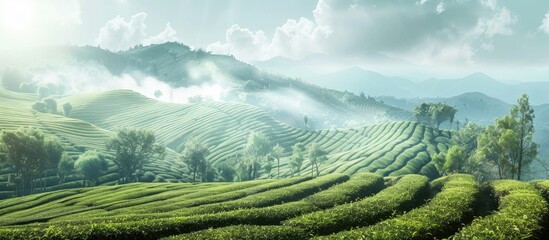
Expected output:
{"points": [[504, 149], [315, 155], [29, 153], [433, 114], [49, 105], [133, 148]]}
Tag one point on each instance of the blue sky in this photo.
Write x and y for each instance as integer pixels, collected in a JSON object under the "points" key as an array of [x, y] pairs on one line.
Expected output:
{"points": [[458, 35]]}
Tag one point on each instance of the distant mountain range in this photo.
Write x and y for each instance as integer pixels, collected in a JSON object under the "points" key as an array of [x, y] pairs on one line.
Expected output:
{"points": [[374, 84]]}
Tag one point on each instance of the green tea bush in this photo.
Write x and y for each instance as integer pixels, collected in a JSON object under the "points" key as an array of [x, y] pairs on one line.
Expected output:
{"points": [[436, 219], [245, 232], [520, 215], [405, 194]]}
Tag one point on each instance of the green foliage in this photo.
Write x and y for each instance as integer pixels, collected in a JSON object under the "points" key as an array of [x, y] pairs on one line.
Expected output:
{"points": [[245, 232], [509, 143], [91, 165], [51, 105], [194, 155], [277, 152], [67, 109], [40, 107], [521, 212], [227, 172], [255, 153], [25, 150], [297, 158], [43, 92], [64, 167], [439, 217], [434, 113], [133, 149], [316, 157], [405, 194]]}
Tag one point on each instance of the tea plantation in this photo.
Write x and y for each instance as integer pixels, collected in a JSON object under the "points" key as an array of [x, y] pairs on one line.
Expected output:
{"points": [[333, 206], [388, 149]]}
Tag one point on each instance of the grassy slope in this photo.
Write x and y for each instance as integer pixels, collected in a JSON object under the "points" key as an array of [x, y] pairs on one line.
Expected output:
{"points": [[70, 214], [388, 149], [76, 137]]}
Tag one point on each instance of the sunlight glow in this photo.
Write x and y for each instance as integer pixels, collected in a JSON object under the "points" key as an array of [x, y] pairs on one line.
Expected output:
{"points": [[17, 15]]}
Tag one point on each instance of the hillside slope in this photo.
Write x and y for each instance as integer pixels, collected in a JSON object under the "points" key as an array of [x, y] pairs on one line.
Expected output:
{"points": [[180, 73], [334, 206], [389, 148]]}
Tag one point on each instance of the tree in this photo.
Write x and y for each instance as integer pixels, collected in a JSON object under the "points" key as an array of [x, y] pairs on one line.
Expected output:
{"points": [[434, 113], [158, 94], [422, 114], [524, 115], [64, 167], [440, 113], [51, 105], [133, 149], [509, 143], [297, 158], [42, 92], [91, 165], [40, 107], [54, 149], [24, 150], [194, 155], [255, 152], [67, 109], [227, 172], [316, 157], [277, 153]]}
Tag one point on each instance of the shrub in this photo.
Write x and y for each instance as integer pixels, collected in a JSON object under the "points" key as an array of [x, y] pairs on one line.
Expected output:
{"points": [[245, 232], [521, 212], [439, 217], [405, 194]]}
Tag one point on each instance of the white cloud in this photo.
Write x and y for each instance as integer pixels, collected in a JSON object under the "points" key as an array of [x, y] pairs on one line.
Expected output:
{"points": [[490, 3], [545, 24], [168, 35], [119, 34], [444, 31], [440, 8], [500, 23], [295, 39]]}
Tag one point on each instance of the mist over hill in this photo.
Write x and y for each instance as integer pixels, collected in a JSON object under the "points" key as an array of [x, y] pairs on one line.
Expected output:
{"points": [[173, 72], [358, 80]]}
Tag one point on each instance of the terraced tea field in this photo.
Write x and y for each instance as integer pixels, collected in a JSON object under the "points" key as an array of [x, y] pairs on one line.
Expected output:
{"points": [[388, 149], [394, 148], [333, 206]]}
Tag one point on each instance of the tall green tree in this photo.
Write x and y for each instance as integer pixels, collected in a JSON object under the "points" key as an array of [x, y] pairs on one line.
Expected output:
{"points": [[316, 157], [509, 144], [523, 114], [297, 158], [255, 152], [23, 149], [434, 114], [277, 152], [91, 165], [64, 167], [133, 149], [194, 155], [54, 149]]}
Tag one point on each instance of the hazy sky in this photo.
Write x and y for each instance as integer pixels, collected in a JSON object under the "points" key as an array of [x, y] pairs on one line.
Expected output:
{"points": [[465, 34]]}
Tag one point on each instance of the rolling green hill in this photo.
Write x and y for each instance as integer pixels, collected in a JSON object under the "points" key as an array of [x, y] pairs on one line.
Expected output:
{"points": [[389, 149], [334, 206], [181, 72]]}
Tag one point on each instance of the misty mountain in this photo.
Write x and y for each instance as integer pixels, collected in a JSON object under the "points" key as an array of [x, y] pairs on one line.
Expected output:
{"points": [[371, 83], [473, 106], [358, 80], [180, 74]]}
